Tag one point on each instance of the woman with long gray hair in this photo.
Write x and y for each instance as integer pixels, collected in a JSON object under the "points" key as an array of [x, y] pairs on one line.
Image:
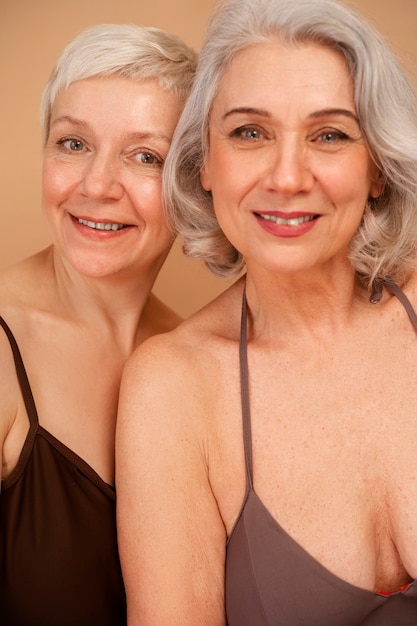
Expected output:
{"points": [[276, 482]]}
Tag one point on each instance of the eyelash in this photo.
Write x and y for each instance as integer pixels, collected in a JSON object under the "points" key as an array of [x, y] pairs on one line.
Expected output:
{"points": [[64, 140], [337, 134], [156, 161], [321, 136], [239, 133]]}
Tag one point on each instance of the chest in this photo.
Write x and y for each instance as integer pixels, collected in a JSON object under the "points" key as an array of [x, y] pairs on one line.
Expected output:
{"points": [[75, 387], [333, 438]]}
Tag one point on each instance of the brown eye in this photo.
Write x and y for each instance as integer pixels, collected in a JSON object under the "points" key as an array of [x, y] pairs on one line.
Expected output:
{"points": [[73, 145], [148, 158]]}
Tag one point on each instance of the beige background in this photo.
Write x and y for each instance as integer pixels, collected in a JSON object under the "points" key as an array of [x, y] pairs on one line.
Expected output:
{"points": [[33, 34]]}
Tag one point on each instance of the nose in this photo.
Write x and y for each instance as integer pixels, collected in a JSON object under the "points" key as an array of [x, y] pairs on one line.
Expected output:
{"points": [[101, 178], [288, 171]]}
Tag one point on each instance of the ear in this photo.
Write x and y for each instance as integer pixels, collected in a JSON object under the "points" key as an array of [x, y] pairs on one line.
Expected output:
{"points": [[205, 178], [377, 184]]}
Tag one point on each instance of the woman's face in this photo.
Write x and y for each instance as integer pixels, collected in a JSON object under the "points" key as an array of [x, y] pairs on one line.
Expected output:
{"points": [[108, 139], [287, 165]]}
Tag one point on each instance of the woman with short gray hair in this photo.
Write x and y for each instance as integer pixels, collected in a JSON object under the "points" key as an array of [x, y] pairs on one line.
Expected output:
{"points": [[71, 315]]}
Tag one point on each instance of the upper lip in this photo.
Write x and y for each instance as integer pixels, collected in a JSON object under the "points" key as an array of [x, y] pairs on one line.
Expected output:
{"points": [[287, 216], [99, 220], [295, 218]]}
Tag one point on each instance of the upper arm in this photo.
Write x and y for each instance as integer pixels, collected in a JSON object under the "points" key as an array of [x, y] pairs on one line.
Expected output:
{"points": [[171, 536]]}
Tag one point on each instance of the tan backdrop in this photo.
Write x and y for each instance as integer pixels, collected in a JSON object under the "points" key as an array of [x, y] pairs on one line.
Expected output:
{"points": [[32, 35]]}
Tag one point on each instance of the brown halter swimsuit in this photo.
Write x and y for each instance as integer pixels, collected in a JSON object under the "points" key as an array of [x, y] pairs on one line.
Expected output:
{"points": [[59, 564]]}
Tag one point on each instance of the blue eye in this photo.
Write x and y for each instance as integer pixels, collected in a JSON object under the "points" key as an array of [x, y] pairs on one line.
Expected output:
{"points": [[251, 134], [332, 136], [247, 133]]}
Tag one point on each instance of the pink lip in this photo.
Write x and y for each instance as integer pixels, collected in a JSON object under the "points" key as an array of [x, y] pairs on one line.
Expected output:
{"points": [[286, 230], [98, 234], [287, 215], [96, 220]]}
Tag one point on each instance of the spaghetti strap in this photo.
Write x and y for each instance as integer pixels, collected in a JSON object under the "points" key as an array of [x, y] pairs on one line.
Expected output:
{"points": [[22, 377], [392, 286], [244, 372], [244, 388]]}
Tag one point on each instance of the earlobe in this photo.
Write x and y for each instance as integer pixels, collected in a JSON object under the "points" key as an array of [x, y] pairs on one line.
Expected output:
{"points": [[377, 185], [205, 179]]}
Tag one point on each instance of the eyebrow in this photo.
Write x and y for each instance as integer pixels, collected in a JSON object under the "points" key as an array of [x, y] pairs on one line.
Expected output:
{"points": [[314, 115], [135, 135], [327, 112], [68, 118], [247, 110]]}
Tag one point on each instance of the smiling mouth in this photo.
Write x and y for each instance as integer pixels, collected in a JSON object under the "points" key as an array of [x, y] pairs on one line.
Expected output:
{"points": [[292, 221], [101, 225]]}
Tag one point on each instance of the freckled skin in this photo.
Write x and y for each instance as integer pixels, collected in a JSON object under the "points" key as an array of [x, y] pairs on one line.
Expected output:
{"points": [[107, 172], [300, 150], [332, 436]]}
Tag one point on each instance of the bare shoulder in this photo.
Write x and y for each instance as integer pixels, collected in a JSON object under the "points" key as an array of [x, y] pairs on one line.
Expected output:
{"points": [[13, 305], [19, 294], [20, 283], [170, 378], [10, 285], [167, 437], [191, 350]]}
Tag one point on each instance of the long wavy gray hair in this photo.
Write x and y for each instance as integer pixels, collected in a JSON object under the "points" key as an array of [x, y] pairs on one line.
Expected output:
{"points": [[386, 104]]}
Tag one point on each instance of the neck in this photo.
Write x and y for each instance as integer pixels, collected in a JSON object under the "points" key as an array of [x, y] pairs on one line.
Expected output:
{"points": [[303, 301], [114, 304]]}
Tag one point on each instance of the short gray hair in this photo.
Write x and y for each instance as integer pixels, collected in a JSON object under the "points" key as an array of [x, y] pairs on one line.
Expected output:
{"points": [[121, 49], [386, 104]]}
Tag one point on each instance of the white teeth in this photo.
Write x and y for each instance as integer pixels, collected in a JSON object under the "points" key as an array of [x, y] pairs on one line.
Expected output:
{"points": [[101, 225], [292, 221]]}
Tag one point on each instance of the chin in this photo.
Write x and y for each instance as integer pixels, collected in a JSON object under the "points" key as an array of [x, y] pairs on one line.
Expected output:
{"points": [[93, 267]]}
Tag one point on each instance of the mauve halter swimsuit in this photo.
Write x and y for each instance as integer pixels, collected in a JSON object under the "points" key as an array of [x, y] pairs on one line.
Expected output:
{"points": [[271, 580]]}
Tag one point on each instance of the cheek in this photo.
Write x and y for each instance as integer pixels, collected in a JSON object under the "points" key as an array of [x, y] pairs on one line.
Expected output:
{"points": [[218, 169], [224, 177], [50, 189], [348, 183], [146, 196], [56, 181]]}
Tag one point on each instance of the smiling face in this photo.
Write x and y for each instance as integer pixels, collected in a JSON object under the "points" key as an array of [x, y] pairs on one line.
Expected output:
{"points": [[287, 164], [102, 168]]}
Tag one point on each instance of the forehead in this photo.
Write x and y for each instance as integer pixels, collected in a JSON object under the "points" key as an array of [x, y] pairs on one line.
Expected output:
{"points": [[114, 88], [115, 103], [307, 74]]}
